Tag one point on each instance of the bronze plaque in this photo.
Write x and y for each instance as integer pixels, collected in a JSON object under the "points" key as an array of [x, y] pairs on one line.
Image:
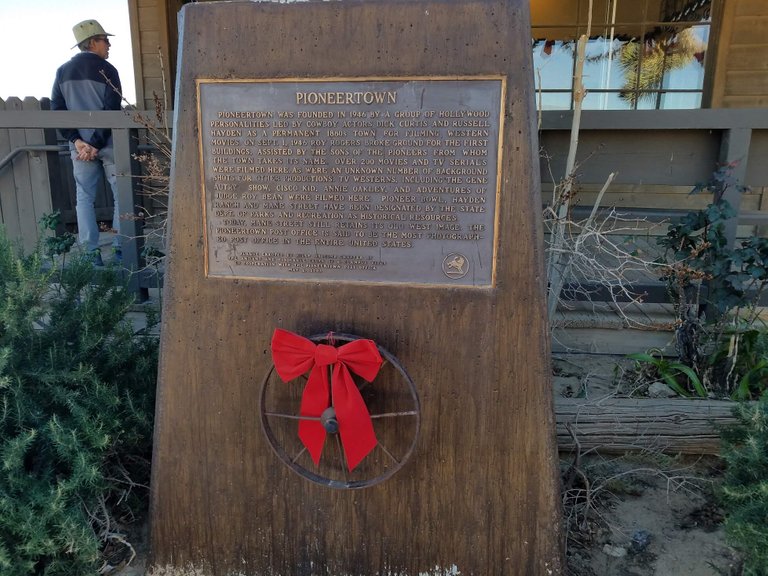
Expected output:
{"points": [[385, 181]]}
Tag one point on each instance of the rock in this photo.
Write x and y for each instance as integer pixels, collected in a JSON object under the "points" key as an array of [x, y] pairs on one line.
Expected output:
{"points": [[615, 551], [660, 390], [639, 541], [567, 386]]}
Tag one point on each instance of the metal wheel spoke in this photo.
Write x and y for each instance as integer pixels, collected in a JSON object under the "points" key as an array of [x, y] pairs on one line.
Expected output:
{"points": [[394, 414], [388, 453], [342, 458], [303, 449], [292, 416]]}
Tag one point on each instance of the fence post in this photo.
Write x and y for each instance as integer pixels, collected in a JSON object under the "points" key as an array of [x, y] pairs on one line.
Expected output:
{"points": [[40, 186], [131, 229], [8, 209], [21, 206]]}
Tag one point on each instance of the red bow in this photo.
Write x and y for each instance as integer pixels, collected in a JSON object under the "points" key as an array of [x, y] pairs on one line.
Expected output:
{"points": [[294, 355]]}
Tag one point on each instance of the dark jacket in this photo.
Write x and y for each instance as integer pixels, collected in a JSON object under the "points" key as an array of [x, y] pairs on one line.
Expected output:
{"points": [[80, 85]]}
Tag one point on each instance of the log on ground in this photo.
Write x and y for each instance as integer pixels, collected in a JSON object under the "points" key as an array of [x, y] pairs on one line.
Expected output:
{"points": [[618, 425]]}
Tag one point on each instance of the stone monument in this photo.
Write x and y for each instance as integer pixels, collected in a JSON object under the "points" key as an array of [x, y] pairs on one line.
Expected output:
{"points": [[354, 374]]}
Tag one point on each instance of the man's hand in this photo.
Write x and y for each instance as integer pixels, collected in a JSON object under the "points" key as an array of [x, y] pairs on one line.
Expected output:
{"points": [[85, 151]]}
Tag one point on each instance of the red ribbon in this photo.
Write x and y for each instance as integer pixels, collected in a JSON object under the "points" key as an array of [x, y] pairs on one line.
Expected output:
{"points": [[294, 355]]}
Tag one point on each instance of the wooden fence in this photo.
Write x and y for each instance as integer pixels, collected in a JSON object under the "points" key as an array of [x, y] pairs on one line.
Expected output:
{"points": [[37, 178], [35, 175], [660, 155], [25, 188]]}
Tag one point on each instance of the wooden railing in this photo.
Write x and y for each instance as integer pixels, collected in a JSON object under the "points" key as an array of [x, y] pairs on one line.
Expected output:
{"points": [[659, 156], [27, 175]]}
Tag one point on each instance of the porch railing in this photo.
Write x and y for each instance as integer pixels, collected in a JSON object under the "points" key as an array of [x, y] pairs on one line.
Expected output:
{"points": [[659, 156], [28, 175]]}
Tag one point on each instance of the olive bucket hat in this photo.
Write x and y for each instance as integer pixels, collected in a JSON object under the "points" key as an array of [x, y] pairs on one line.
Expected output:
{"points": [[87, 28]]}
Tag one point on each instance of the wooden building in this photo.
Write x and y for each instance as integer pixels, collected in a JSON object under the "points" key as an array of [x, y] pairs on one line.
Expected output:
{"points": [[740, 67], [733, 57], [154, 34], [650, 64]]}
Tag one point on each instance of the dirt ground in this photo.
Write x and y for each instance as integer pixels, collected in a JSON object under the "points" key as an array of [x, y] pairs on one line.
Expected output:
{"points": [[646, 514]]}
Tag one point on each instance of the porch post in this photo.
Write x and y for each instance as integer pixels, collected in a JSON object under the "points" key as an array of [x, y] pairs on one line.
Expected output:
{"points": [[734, 148], [131, 228]]}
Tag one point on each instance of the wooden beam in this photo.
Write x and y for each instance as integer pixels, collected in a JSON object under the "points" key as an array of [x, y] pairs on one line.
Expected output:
{"points": [[618, 425], [130, 225], [56, 119], [717, 54], [734, 151], [719, 119], [138, 70]]}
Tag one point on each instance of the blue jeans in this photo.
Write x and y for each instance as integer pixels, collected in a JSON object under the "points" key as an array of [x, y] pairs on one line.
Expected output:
{"points": [[87, 180]]}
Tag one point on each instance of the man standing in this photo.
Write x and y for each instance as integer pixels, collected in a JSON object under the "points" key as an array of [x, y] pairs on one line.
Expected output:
{"points": [[89, 82]]}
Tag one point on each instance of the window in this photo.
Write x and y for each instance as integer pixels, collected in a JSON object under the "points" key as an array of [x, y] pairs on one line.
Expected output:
{"points": [[641, 54]]}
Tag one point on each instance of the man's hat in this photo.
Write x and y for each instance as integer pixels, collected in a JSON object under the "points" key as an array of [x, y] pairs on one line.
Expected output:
{"points": [[87, 28]]}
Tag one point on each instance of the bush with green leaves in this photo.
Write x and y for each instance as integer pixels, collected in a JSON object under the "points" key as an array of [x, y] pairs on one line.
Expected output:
{"points": [[724, 278], [721, 339], [76, 406], [716, 289], [745, 486]]}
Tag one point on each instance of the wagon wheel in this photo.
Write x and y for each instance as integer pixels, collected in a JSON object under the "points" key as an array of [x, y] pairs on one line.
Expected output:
{"points": [[392, 402]]}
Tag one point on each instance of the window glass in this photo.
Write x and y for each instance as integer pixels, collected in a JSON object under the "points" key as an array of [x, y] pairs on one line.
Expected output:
{"points": [[680, 100], [647, 103], [604, 101], [553, 66], [686, 55], [641, 54], [604, 60], [554, 100]]}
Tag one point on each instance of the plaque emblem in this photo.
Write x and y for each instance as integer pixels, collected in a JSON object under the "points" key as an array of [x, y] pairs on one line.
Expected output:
{"points": [[455, 265]]}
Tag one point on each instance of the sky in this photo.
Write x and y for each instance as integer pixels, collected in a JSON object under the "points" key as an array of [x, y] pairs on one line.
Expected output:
{"points": [[36, 38]]}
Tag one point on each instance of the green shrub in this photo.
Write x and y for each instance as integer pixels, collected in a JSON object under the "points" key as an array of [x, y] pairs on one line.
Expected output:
{"points": [[76, 403], [716, 290], [745, 487]]}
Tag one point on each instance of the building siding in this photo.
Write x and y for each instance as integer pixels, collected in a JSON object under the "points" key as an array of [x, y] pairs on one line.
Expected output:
{"points": [[741, 76], [153, 51]]}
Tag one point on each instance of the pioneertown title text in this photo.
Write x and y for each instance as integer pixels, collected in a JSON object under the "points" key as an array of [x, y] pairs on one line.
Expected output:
{"points": [[346, 98]]}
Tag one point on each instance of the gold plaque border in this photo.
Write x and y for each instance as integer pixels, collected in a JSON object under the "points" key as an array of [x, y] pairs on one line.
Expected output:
{"points": [[502, 108]]}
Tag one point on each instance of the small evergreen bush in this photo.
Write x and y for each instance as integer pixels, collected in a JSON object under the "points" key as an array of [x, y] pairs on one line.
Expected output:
{"points": [[76, 404], [745, 487]]}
